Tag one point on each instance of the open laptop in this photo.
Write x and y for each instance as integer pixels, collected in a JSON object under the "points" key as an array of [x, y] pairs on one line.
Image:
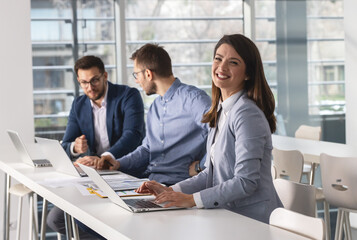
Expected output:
{"points": [[24, 154], [132, 204], [60, 160]]}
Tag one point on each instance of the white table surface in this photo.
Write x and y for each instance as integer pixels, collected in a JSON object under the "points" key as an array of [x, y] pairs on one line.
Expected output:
{"points": [[113, 222], [313, 148]]}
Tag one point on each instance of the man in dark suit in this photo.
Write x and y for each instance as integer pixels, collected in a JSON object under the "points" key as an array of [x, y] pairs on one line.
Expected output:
{"points": [[108, 120]]}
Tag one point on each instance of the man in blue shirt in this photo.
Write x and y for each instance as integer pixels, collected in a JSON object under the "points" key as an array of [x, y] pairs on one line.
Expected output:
{"points": [[175, 143], [175, 136]]}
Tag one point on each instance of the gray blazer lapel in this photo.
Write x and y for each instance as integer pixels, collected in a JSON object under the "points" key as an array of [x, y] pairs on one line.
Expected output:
{"points": [[210, 138], [209, 180]]}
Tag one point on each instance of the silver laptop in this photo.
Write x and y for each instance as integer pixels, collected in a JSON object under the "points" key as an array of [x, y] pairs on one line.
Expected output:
{"points": [[132, 204], [24, 154], [60, 160]]}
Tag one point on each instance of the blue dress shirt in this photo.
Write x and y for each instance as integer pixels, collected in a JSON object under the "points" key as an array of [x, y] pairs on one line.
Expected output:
{"points": [[175, 136]]}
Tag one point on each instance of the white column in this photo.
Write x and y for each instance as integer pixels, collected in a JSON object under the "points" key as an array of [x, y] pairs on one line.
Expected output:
{"points": [[120, 43], [249, 18], [350, 19], [15, 76]]}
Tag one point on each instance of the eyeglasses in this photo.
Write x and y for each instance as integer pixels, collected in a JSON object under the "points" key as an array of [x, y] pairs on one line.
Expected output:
{"points": [[93, 82], [135, 74]]}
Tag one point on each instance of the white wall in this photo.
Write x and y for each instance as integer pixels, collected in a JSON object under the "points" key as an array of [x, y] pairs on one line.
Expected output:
{"points": [[15, 76], [16, 69], [350, 21]]}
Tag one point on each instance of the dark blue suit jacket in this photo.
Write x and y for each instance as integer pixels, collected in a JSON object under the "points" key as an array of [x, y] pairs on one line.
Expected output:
{"points": [[125, 121]]}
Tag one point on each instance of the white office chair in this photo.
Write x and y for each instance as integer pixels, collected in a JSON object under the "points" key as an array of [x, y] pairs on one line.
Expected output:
{"points": [[308, 132], [22, 191], [306, 226], [312, 133], [353, 220], [296, 197], [339, 180], [288, 164]]}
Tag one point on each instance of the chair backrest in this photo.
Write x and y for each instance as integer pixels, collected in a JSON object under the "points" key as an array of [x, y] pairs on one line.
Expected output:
{"points": [[353, 220], [288, 164], [308, 132], [339, 180], [309, 227], [296, 197]]}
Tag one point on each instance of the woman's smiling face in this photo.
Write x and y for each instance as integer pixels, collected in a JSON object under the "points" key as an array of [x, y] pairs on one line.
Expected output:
{"points": [[228, 71]]}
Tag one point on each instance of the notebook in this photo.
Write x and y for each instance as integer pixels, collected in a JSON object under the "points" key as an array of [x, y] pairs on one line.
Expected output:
{"points": [[132, 204], [60, 160], [24, 154]]}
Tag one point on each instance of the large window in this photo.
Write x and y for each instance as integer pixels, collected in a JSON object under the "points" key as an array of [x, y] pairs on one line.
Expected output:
{"points": [[326, 57], [301, 43], [62, 31], [265, 39], [302, 46], [188, 30]]}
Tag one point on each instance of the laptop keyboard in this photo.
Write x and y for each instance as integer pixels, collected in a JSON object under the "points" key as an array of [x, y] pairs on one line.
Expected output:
{"points": [[139, 203], [42, 162]]}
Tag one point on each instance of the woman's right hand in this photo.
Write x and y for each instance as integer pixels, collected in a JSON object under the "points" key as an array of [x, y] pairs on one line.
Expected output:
{"points": [[152, 187]]}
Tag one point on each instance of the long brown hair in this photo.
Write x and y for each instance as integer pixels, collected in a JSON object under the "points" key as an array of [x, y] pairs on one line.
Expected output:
{"points": [[256, 86]]}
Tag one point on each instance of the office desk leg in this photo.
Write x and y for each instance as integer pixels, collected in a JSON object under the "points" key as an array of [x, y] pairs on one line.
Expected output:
{"points": [[348, 232], [32, 223], [44, 219], [75, 229], [67, 221], [7, 184], [312, 173]]}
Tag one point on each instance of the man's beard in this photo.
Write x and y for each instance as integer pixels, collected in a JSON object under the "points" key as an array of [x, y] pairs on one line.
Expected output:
{"points": [[100, 94], [152, 89]]}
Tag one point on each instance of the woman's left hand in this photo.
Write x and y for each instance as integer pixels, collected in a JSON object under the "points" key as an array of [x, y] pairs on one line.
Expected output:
{"points": [[176, 199]]}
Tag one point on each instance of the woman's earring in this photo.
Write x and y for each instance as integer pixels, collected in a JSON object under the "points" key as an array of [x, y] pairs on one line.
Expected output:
{"points": [[246, 79]]}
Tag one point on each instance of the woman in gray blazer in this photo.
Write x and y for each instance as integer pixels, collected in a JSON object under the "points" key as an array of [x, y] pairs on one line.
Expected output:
{"points": [[237, 176]]}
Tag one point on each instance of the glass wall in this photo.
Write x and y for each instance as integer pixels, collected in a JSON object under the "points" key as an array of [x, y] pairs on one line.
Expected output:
{"points": [[326, 57], [302, 46], [62, 31], [188, 30], [301, 43]]}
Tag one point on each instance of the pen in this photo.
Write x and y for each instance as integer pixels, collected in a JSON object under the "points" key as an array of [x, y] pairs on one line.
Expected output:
{"points": [[91, 191]]}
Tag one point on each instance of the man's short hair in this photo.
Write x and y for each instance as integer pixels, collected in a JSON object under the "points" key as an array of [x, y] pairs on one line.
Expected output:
{"points": [[88, 62], [154, 57]]}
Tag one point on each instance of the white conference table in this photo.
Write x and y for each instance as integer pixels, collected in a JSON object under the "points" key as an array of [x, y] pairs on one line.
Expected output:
{"points": [[312, 149], [113, 222]]}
